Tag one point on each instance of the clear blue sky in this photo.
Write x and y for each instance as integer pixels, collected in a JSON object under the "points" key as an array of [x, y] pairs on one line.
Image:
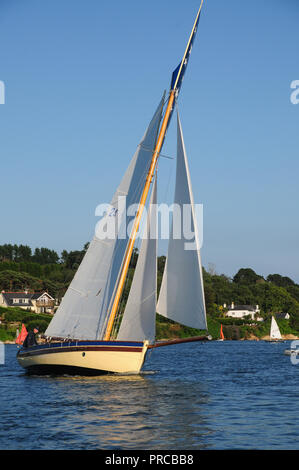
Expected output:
{"points": [[82, 81]]}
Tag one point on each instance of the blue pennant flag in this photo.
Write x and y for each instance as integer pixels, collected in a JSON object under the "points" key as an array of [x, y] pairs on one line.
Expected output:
{"points": [[178, 74]]}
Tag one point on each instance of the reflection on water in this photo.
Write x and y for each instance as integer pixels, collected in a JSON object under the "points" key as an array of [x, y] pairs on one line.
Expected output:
{"points": [[133, 411], [218, 395]]}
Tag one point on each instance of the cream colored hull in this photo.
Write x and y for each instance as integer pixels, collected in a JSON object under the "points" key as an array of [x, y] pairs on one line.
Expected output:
{"points": [[84, 358]]}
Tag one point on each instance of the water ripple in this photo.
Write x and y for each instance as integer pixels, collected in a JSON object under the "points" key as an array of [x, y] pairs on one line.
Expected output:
{"points": [[229, 395]]}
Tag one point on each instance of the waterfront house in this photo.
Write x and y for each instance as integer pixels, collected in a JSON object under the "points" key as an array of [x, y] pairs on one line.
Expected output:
{"points": [[242, 311], [39, 302]]}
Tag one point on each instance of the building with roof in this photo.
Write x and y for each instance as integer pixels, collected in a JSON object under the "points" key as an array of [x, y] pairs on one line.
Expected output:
{"points": [[242, 311], [38, 302], [282, 316]]}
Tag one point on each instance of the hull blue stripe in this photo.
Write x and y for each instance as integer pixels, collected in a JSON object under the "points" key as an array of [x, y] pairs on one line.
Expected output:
{"points": [[65, 344]]}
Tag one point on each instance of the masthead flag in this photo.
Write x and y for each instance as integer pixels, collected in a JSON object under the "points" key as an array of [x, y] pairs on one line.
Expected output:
{"points": [[178, 74]]}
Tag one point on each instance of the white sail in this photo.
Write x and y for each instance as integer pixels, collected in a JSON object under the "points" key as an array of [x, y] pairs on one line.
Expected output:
{"points": [[182, 296], [274, 330], [83, 310], [138, 323]]}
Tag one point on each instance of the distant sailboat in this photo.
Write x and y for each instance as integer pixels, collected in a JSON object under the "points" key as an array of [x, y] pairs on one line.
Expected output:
{"points": [[221, 334], [292, 352], [89, 333], [21, 337], [275, 334]]}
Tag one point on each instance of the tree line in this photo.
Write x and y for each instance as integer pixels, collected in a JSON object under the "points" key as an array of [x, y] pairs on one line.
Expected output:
{"points": [[44, 269], [23, 253], [273, 294]]}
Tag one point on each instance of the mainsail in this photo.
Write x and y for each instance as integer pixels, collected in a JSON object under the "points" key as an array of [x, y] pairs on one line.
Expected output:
{"points": [[181, 296], [138, 323], [274, 330], [84, 308]]}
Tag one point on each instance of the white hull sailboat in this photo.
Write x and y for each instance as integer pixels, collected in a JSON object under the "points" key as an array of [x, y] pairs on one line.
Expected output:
{"points": [[90, 333]]}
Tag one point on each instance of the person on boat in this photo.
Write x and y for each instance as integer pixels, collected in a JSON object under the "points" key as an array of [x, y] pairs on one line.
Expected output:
{"points": [[30, 339]]}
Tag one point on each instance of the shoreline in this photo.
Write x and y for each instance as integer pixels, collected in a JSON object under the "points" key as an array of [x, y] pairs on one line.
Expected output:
{"points": [[289, 337]]}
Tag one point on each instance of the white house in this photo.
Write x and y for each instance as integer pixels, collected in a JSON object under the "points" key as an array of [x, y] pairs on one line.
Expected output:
{"points": [[241, 311], [40, 302]]}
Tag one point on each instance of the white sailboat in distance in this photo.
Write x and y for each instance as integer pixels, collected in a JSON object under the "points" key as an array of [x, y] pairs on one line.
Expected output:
{"points": [[89, 334], [275, 334]]}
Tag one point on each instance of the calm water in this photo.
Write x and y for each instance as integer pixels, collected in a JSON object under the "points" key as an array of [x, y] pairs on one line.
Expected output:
{"points": [[216, 395]]}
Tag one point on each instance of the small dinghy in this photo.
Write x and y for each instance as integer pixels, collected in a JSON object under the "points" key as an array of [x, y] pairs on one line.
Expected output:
{"points": [[291, 352]]}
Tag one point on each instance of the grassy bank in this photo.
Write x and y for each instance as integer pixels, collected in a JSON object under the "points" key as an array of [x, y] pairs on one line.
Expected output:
{"points": [[233, 329], [7, 334], [12, 319]]}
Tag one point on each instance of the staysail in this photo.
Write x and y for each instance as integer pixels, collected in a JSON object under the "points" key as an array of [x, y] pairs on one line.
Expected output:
{"points": [[182, 296], [83, 310], [274, 330], [138, 323]]}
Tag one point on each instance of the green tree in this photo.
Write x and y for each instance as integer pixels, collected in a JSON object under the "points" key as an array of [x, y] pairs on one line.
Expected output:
{"points": [[246, 276], [280, 281], [45, 256], [6, 252]]}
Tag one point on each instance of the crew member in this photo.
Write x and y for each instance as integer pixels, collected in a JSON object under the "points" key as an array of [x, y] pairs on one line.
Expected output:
{"points": [[30, 339]]}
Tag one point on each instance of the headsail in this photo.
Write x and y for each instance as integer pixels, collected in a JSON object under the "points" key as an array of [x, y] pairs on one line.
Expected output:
{"points": [[138, 323], [83, 310], [182, 296]]}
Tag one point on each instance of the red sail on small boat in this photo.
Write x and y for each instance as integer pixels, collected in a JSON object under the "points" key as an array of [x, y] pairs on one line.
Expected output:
{"points": [[20, 339], [221, 333]]}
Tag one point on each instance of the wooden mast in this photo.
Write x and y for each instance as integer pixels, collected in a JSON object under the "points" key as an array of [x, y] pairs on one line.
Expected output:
{"points": [[160, 140]]}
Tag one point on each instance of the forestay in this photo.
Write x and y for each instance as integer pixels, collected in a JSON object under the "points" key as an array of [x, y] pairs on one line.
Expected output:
{"points": [[182, 296], [84, 308]]}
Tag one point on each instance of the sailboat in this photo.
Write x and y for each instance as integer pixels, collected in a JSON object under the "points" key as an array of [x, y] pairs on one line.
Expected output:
{"points": [[21, 336], [221, 334], [90, 333], [275, 334]]}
